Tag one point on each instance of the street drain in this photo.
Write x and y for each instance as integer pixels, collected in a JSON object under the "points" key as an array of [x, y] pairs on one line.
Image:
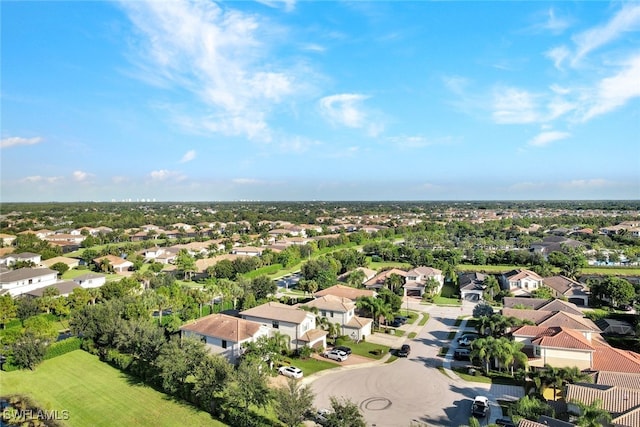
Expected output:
{"points": [[375, 404]]}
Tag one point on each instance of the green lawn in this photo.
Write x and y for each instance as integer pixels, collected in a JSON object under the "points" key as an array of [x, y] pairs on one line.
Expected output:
{"points": [[309, 365], [364, 348], [446, 301], [72, 274], [95, 394]]}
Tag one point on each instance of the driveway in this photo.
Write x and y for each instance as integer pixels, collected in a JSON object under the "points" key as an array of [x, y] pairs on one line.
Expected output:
{"points": [[412, 389]]}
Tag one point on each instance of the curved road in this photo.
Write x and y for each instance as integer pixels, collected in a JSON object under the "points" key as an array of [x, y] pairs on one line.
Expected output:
{"points": [[407, 390]]}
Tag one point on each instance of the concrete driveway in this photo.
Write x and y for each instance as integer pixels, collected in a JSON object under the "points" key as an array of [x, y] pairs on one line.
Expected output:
{"points": [[412, 389]]}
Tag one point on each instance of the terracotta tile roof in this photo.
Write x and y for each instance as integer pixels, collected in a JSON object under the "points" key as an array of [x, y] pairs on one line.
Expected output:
{"points": [[563, 338], [113, 260], [277, 311], [425, 271], [519, 274], [381, 277], [532, 331], [332, 303], [345, 291], [225, 327], [570, 321], [616, 400], [612, 359]]}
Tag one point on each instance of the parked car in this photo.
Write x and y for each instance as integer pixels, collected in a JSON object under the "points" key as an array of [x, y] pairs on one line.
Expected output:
{"points": [[505, 422], [480, 406], [395, 324], [338, 355], [466, 341], [462, 354], [343, 348], [404, 350], [401, 319], [321, 416], [290, 371]]}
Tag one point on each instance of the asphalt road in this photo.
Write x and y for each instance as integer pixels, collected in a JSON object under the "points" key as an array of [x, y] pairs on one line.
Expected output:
{"points": [[410, 390]]}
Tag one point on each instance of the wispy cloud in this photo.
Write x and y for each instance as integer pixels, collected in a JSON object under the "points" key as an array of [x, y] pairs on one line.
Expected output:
{"points": [[164, 174], [614, 91], [288, 5], [514, 106], [218, 55], [627, 19], [37, 178], [81, 176], [546, 138], [247, 181], [16, 140], [554, 23], [344, 109], [188, 156]]}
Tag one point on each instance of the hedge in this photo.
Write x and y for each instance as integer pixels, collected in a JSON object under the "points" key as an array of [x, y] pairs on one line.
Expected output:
{"points": [[62, 347]]}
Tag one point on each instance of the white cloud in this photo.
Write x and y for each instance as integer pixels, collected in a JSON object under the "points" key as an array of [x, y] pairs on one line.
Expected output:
{"points": [[554, 23], [627, 19], [615, 91], [456, 84], [288, 5], [164, 174], [558, 55], [219, 55], [188, 156], [246, 181], [16, 140], [546, 138], [514, 106], [586, 184], [80, 176], [406, 141], [344, 109], [37, 178]]}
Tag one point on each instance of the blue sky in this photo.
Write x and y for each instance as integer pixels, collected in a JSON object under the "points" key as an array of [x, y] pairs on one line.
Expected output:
{"points": [[329, 100]]}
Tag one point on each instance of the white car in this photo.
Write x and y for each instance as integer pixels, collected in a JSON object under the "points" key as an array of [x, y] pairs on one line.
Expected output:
{"points": [[338, 355], [290, 371]]}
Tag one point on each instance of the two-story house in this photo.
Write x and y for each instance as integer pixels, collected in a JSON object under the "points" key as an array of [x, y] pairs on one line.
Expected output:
{"points": [[11, 259], [23, 280], [520, 282], [564, 287], [299, 325], [341, 310], [224, 334], [417, 278]]}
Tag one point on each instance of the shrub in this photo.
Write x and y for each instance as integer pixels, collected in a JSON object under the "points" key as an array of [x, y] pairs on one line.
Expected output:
{"points": [[62, 347]]}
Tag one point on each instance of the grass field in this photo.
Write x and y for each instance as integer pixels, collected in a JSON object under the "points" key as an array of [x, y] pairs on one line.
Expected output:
{"points": [[95, 394]]}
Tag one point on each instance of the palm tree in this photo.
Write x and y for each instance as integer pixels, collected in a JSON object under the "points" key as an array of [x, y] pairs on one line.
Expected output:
{"points": [[592, 415]]}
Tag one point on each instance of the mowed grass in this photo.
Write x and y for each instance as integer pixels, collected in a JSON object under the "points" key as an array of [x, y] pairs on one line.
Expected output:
{"points": [[96, 394]]}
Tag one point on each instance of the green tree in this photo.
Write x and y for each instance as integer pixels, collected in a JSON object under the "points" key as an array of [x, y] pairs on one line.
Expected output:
{"points": [[530, 408], [186, 264], [177, 362], [491, 287], [592, 415], [292, 402], [209, 379], [8, 309], [60, 267], [250, 386], [542, 292], [41, 327], [28, 350], [344, 413], [482, 309], [356, 278], [262, 286]]}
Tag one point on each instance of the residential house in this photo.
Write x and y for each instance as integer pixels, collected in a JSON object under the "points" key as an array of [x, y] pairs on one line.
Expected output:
{"points": [[368, 274], [7, 239], [417, 278], [69, 262], [563, 287], [541, 304], [554, 244], [58, 238], [90, 280], [378, 282], [119, 265], [472, 286], [621, 402], [341, 310], [64, 288], [11, 259], [23, 280], [342, 291], [294, 322], [520, 282], [552, 319], [247, 251], [556, 346], [224, 335]]}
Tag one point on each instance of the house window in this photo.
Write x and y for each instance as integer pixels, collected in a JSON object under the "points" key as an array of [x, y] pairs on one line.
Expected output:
{"points": [[332, 314], [224, 343], [324, 313], [275, 324]]}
